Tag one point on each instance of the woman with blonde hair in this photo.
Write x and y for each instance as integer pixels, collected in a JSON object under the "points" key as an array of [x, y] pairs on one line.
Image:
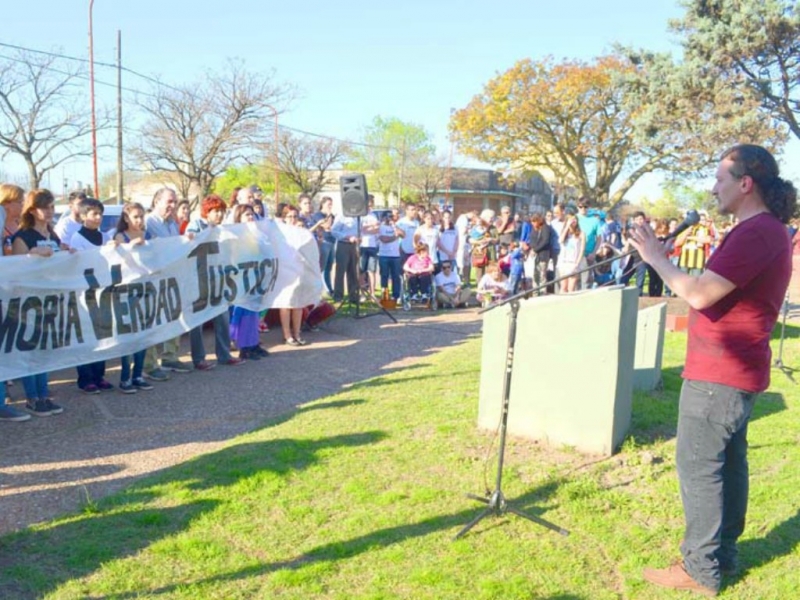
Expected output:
{"points": [[11, 197], [571, 259]]}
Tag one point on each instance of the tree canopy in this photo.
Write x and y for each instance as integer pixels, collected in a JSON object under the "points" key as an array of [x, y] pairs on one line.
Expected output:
{"points": [[44, 116], [393, 155], [756, 40], [605, 123], [198, 130]]}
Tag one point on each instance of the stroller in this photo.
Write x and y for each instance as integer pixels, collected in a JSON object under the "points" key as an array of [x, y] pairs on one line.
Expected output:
{"points": [[419, 299]]}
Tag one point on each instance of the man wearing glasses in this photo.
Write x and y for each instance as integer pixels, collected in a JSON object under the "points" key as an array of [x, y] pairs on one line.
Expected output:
{"points": [[448, 287]]}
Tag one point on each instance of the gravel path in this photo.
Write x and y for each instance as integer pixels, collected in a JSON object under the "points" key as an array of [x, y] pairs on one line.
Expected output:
{"points": [[51, 466]]}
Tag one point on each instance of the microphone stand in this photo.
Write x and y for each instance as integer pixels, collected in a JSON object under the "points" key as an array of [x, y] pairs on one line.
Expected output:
{"points": [[495, 500]]}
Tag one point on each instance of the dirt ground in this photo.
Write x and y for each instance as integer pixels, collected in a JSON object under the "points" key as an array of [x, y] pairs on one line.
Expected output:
{"points": [[51, 466]]}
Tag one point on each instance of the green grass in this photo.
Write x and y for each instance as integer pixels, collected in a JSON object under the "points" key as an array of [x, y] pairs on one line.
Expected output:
{"points": [[358, 495]]}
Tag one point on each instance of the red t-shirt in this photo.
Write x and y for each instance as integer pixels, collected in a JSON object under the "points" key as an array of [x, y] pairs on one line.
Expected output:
{"points": [[729, 341]]}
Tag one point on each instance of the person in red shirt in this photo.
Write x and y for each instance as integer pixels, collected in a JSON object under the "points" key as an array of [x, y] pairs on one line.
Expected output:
{"points": [[734, 308]]}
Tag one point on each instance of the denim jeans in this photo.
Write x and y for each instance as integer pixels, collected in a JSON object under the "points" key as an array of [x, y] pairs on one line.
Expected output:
{"points": [[36, 386], [326, 255], [138, 366], [222, 340], [711, 457], [391, 268]]}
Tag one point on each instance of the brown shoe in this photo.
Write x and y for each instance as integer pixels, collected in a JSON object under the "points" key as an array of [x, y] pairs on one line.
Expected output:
{"points": [[677, 578]]}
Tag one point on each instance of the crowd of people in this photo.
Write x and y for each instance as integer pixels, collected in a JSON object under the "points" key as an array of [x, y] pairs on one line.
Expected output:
{"points": [[419, 251]]}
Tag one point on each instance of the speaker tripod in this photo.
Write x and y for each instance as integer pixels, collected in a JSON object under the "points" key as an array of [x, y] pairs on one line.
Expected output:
{"points": [[496, 500], [364, 289]]}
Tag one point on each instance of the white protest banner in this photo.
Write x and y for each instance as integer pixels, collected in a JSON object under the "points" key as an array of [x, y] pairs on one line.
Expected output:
{"points": [[73, 309]]}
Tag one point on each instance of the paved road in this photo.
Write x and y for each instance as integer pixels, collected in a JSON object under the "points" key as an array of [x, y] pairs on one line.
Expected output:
{"points": [[50, 466]]}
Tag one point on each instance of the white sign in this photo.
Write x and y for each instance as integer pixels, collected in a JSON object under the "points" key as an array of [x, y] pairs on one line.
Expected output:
{"points": [[73, 309]]}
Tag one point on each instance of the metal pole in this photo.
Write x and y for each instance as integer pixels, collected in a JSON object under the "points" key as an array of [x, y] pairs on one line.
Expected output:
{"points": [[275, 158], [91, 87], [120, 182]]}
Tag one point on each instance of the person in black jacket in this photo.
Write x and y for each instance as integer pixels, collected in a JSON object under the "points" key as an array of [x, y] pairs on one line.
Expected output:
{"points": [[540, 245]]}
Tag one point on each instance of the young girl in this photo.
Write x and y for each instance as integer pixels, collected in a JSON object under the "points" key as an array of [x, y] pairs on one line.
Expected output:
{"points": [[36, 237], [244, 323], [570, 260], [427, 233], [448, 239], [492, 286], [130, 230]]}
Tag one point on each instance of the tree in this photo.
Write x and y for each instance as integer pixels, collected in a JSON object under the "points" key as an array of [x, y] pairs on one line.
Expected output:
{"points": [[756, 40], [198, 130], [44, 113], [306, 160], [603, 124], [261, 174], [391, 150], [428, 178]]}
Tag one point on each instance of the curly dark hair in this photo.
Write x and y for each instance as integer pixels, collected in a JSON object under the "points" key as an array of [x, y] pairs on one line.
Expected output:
{"points": [[756, 162]]}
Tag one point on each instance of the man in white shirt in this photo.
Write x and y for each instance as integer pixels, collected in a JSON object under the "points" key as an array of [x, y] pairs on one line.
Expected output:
{"points": [[408, 225], [448, 287], [70, 222], [368, 258]]}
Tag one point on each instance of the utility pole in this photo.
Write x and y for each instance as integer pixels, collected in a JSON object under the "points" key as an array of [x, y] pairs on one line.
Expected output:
{"points": [[120, 199], [91, 87], [402, 173]]}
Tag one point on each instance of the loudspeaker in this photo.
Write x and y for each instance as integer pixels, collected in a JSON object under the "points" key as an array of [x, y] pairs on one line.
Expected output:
{"points": [[354, 195]]}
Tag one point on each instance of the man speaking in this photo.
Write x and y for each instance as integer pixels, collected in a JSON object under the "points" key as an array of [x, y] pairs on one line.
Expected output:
{"points": [[734, 307]]}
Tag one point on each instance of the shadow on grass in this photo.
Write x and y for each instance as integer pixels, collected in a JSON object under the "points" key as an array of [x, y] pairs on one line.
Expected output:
{"points": [[790, 333], [780, 541], [376, 540], [655, 415], [34, 562]]}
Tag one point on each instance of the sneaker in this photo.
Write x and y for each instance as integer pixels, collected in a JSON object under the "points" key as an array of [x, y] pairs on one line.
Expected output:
{"points": [[262, 327], [90, 389], [259, 351], [249, 354], [126, 387], [292, 342], [157, 375], [54, 408], [302, 342], [234, 361], [140, 384], [104, 386], [175, 366], [9, 413], [204, 365], [38, 408]]}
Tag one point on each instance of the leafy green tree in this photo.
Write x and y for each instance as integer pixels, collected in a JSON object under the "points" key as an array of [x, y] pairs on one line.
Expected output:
{"points": [[757, 41], [260, 174], [391, 154]]}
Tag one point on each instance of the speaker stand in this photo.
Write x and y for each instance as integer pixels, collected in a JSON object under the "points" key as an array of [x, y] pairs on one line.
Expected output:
{"points": [[496, 500]]}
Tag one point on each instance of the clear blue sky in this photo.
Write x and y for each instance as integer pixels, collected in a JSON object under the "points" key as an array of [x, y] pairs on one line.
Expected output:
{"points": [[350, 60]]}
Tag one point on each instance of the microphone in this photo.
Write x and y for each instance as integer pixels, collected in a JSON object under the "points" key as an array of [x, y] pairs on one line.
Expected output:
{"points": [[692, 218]]}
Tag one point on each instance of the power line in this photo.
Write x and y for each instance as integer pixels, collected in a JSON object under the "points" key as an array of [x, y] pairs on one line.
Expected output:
{"points": [[161, 84]]}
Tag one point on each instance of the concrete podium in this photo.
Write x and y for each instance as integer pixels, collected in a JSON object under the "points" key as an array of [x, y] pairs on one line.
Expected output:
{"points": [[572, 380], [650, 326]]}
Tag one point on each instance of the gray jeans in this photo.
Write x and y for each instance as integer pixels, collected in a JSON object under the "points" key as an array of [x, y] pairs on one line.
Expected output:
{"points": [[711, 456], [222, 340]]}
